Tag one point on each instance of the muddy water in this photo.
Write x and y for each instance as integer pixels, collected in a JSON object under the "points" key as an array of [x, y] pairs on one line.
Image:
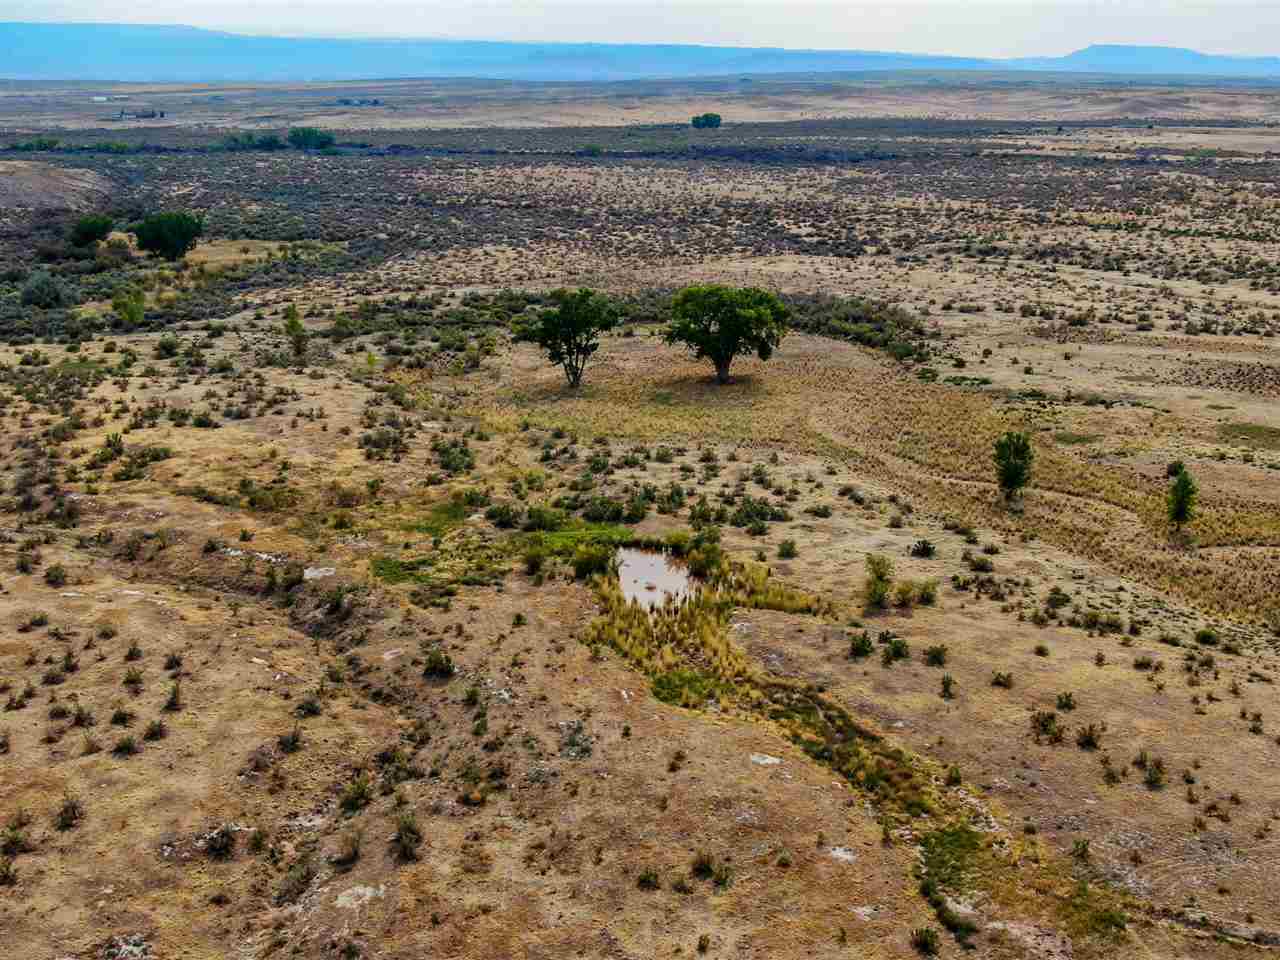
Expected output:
{"points": [[651, 578]]}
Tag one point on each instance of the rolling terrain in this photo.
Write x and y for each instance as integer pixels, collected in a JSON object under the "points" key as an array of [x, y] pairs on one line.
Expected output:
{"points": [[312, 641]]}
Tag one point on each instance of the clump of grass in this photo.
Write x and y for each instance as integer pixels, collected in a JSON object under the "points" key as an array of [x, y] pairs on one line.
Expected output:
{"points": [[925, 941], [356, 795], [221, 843], [407, 838], [69, 813]]}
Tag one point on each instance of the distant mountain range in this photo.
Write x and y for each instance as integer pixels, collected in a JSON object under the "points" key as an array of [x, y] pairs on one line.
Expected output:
{"points": [[122, 52]]}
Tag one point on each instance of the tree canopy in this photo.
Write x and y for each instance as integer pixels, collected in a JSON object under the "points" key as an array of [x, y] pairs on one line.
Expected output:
{"points": [[295, 331], [719, 323], [42, 290], [1013, 456], [1183, 493], [310, 138], [706, 121], [570, 331], [172, 235], [90, 229]]}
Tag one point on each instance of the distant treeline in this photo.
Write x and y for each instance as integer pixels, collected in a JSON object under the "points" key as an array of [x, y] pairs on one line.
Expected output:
{"points": [[299, 138]]}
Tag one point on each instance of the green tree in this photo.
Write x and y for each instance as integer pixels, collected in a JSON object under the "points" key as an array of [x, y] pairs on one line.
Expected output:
{"points": [[706, 121], [1013, 456], [91, 229], [719, 323], [129, 306], [172, 235], [295, 331], [42, 290], [1182, 499], [310, 138], [570, 331]]}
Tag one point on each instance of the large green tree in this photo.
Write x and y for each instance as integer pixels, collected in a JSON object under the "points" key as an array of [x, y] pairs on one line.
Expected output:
{"points": [[570, 331], [719, 323], [90, 229], [172, 235], [1013, 456]]}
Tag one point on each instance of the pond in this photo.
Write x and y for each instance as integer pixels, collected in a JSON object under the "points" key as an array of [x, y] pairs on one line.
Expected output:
{"points": [[651, 578]]}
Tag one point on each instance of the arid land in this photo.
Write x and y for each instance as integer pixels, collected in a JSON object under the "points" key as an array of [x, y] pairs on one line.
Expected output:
{"points": [[300, 654]]}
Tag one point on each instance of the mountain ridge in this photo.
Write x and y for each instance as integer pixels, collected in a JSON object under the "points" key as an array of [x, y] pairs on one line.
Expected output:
{"points": [[178, 53]]}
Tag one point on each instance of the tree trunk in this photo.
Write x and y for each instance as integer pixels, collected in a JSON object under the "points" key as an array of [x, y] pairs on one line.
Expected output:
{"points": [[722, 370]]}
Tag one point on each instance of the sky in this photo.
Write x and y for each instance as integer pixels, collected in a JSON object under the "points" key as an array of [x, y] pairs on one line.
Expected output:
{"points": [[1003, 28]]}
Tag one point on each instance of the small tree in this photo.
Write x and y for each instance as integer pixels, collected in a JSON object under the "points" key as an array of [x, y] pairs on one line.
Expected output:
{"points": [[879, 580], [91, 229], [172, 235], [129, 306], [719, 323], [295, 331], [570, 331], [1013, 456], [706, 121], [1182, 499]]}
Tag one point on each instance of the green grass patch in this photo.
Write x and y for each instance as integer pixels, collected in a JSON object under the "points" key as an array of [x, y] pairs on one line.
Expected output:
{"points": [[442, 517], [393, 570], [1071, 439], [563, 543], [951, 855], [686, 688], [1254, 435], [1089, 912]]}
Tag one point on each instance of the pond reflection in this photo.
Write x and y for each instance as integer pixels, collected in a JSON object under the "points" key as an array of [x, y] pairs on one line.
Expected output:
{"points": [[651, 578]]}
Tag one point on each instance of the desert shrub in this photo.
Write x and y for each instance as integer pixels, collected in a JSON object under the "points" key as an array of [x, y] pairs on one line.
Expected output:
{"points": [[221, 843], [356, 795], [923, 548], [407, 838], [69, 813], [1089, 737], [348, 851], [296, 881], [439, 665], [879, 580], [504, 515], [591, 559], [925, 941]]}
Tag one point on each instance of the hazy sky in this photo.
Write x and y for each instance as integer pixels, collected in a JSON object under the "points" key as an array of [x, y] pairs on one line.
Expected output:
{"points": [[984, 28]]}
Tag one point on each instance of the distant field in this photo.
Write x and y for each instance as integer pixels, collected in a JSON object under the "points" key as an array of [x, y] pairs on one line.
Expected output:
{"points": [[417, 104]]}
